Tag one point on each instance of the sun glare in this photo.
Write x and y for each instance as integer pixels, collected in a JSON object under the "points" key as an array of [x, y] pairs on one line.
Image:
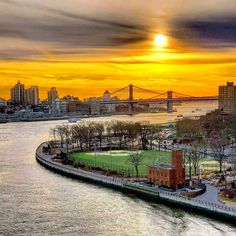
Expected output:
{"points": [[160, 40]]}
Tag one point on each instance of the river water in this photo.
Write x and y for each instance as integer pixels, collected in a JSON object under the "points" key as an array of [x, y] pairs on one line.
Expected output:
{"points": [[187, 109], [36, 201]]}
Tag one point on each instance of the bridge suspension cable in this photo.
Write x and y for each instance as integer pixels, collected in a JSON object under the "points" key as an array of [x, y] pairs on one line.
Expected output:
{"points": [[156, 96], [117, 91], [146, 90], [184, 95]]}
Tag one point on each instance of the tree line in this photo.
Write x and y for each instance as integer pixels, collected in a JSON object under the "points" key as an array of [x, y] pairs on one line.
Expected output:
{"points": [[118, 134], [213, 135], [86, 136]]}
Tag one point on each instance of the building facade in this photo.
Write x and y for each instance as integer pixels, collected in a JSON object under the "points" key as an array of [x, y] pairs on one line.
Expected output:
{"points": [[32, 96], [78, 107], [171, 176], [59, 106], [95, 107], [52, 95], [108, 108], [227, 97], [18, 94]]}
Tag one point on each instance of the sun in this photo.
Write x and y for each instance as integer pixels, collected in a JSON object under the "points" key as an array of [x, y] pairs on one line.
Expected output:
{"points": [[160, 40]]}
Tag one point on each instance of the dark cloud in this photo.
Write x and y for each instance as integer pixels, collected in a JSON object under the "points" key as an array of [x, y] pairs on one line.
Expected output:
{"points": [[19, 54], [76, 16], [64, 32], [210, 33], [70, 29]]}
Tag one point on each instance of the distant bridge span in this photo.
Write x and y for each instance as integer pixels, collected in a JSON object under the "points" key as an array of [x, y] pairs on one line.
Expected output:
{"points": [[159, 97]]}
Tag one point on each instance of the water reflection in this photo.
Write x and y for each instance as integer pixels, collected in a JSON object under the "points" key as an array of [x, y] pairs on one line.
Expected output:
{"points": [[36, 201]]}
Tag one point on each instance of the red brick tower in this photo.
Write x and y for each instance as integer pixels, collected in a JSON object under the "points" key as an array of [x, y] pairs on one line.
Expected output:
{"points": [[177, 164]]}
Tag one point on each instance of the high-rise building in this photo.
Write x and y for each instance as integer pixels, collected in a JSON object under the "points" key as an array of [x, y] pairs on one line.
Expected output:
{"points": [[34, 95], [17, 94], [31, 96], [27, 96], [227, 97], [52, 95]]}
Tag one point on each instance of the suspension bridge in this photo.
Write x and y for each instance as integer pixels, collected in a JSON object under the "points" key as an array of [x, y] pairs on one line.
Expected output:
{"points": [[126, 96]]}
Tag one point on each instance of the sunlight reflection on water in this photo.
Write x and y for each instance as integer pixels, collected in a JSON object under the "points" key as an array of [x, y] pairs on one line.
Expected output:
{"points": [[35, 201]]}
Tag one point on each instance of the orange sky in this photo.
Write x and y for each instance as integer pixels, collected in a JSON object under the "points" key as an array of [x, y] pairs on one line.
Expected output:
{"points": [[85, 50]]}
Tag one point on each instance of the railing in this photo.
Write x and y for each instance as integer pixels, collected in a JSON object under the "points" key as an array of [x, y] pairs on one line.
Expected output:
{"points": [[220, 208], [46, 159], [210, 206]]}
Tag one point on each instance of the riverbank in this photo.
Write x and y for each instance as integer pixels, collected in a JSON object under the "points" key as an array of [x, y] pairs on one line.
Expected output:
{"points": [[211, 209], [10, 119], [187, 109], [3, 121]]}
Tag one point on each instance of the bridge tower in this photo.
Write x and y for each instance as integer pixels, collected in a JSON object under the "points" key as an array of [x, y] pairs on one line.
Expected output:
{"points": [[131, 93], [131, 98], [169, 101]]}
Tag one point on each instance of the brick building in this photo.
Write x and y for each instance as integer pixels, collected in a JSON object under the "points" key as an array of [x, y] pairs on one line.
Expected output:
{"points": [[172, 176], [78, 107]]}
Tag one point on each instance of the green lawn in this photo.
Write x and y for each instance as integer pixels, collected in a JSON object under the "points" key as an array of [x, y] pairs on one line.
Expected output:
{"points": [[118, 160]]}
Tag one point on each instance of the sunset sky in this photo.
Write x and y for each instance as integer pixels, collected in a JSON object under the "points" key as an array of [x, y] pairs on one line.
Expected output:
{"points": [[83, 47]]}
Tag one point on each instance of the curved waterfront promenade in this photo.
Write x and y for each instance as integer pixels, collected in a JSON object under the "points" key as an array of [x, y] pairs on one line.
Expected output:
{"points": [[218, 211]]}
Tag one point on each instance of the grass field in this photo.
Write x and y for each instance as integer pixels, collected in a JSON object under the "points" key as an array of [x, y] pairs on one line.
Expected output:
{"points": [[118, 160]]}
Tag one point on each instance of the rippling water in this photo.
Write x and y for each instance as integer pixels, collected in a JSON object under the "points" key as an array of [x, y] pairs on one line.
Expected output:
{"points": [[35, 201]]}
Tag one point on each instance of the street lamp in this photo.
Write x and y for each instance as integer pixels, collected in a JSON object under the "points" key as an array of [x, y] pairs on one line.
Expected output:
{"points": [[200, 173], [95, 153], [110, 144]]}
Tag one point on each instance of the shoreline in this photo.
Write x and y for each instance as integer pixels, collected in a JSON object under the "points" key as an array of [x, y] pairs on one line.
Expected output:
{"points": [[5, 121], [158, 196]]}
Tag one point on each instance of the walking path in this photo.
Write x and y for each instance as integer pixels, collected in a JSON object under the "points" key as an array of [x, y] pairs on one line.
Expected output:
{"points": [[211, 195]]}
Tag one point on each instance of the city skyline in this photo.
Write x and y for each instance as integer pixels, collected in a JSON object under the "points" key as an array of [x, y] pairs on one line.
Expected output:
{"points": [[85, 48], [28, 95]]}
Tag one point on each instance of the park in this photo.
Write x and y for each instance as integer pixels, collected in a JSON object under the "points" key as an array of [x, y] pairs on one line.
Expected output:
{"points": [[109, 148], [118, 160]]}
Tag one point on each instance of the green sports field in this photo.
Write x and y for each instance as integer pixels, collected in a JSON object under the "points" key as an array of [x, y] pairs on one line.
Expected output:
{"points": [[117, 160]]}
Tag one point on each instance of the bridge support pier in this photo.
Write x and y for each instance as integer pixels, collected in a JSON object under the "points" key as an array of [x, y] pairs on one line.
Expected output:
{"points": [[131, 108], [131, 98], [169, 101]]}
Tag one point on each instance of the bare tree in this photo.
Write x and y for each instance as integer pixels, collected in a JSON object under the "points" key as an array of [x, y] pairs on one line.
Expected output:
{"points": [[66, 132], [156, 135], [136, 159], [232, 161], [189, 128], [76, 135], [218, 144], [188, 160], [145, 129], [119, 131], [99, 132], [133, 132], [58, 132], [195, 156]]}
